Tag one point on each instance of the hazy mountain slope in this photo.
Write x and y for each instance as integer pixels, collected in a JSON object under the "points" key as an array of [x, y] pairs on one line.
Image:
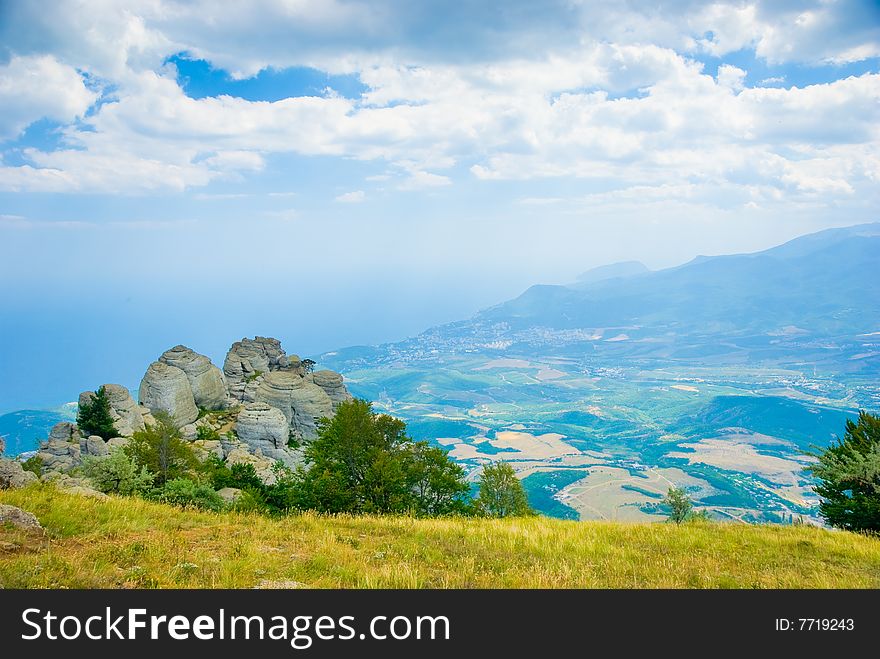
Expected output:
{"points": [[611, 271], [823, 283]]}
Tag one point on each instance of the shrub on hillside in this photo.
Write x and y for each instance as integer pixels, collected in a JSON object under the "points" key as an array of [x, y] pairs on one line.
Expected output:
{"points": [[117, 473], [33, 464], [187, 493]]}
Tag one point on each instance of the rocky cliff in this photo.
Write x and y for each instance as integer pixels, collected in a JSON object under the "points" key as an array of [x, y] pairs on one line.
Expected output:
{"points": [[259, 409]]}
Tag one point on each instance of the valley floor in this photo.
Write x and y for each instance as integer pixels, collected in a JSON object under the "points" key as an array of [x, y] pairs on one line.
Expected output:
{"points": [[130, 543]]}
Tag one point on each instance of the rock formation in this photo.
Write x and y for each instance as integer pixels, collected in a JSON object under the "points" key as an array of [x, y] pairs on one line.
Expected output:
{"points": [[249, 360], [61, 452], [331, 383], [127, 416], [265, 431], [12, 475], [300, 400], [167, 388], [94, 446], [261, 400], [260, 425], [206, 380], [18, 518]]}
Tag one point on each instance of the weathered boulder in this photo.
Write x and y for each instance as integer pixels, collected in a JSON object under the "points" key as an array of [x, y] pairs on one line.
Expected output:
{"points": [[229, 494], [12, 475], [300, 400], [72, 485], [205, 448], [206, 380], [61, 451], [65, 432], [128, 418], [94, 446], [332, 384], [117, 442], [18, 518], [260, 425], [248, 361], [167, 388]]}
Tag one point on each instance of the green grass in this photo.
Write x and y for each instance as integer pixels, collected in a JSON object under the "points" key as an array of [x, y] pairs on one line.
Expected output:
{"points": [[120, 542]]}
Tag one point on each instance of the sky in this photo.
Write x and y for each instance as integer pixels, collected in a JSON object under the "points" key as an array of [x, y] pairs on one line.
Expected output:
{"points": [[343, 172]]}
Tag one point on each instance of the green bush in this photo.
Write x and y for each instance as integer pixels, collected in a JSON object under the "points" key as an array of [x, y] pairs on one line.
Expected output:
{"points": [[33, 464], [187, 493], [117, 473], [207, 433]]}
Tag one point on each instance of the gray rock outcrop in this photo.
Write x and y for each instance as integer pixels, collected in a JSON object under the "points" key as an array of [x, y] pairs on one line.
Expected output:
{"points": [[65, 432], [19, 518], [94, 446], [72, 485], [332, 384], [12, 475], [248, 361], [260, 425], [206, 380], [61, 451], [165, 387], [128, 418], [229, 494], [300, 400]]}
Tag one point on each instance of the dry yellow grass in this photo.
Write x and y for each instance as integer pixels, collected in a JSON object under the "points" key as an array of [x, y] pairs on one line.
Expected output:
{"points": [[120, 543]]}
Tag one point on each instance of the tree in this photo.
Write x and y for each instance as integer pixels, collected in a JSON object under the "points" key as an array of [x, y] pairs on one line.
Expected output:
{"points": [[308, 365], [117, 473], [351, 466], [502, 493], [94, 418], [848, 474], [437, 483], [363, 462], [162, 450], [679, 503]]}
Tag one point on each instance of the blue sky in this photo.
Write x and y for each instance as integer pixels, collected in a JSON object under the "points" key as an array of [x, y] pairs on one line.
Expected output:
{"points": [[344, 172]]}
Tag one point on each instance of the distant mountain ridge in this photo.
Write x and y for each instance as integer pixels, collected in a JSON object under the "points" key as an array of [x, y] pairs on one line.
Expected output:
{"points": [[823, 283], [611, 271]]}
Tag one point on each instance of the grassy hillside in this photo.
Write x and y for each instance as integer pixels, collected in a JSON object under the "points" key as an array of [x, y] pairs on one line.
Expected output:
{"points": [[132, 543]]}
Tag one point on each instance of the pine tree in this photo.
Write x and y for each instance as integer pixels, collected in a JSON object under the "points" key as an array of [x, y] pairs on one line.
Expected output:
{"points": [[161, 449], [93, 417], [848, 474]]}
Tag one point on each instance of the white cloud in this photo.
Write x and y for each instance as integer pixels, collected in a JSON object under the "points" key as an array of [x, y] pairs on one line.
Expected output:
{"points": [[355, 197], [613, 96], [38, 87], [424, 180]]}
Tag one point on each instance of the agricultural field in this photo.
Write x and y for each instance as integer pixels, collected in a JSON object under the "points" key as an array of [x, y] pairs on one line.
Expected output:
{"points": [[599, 436]]}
